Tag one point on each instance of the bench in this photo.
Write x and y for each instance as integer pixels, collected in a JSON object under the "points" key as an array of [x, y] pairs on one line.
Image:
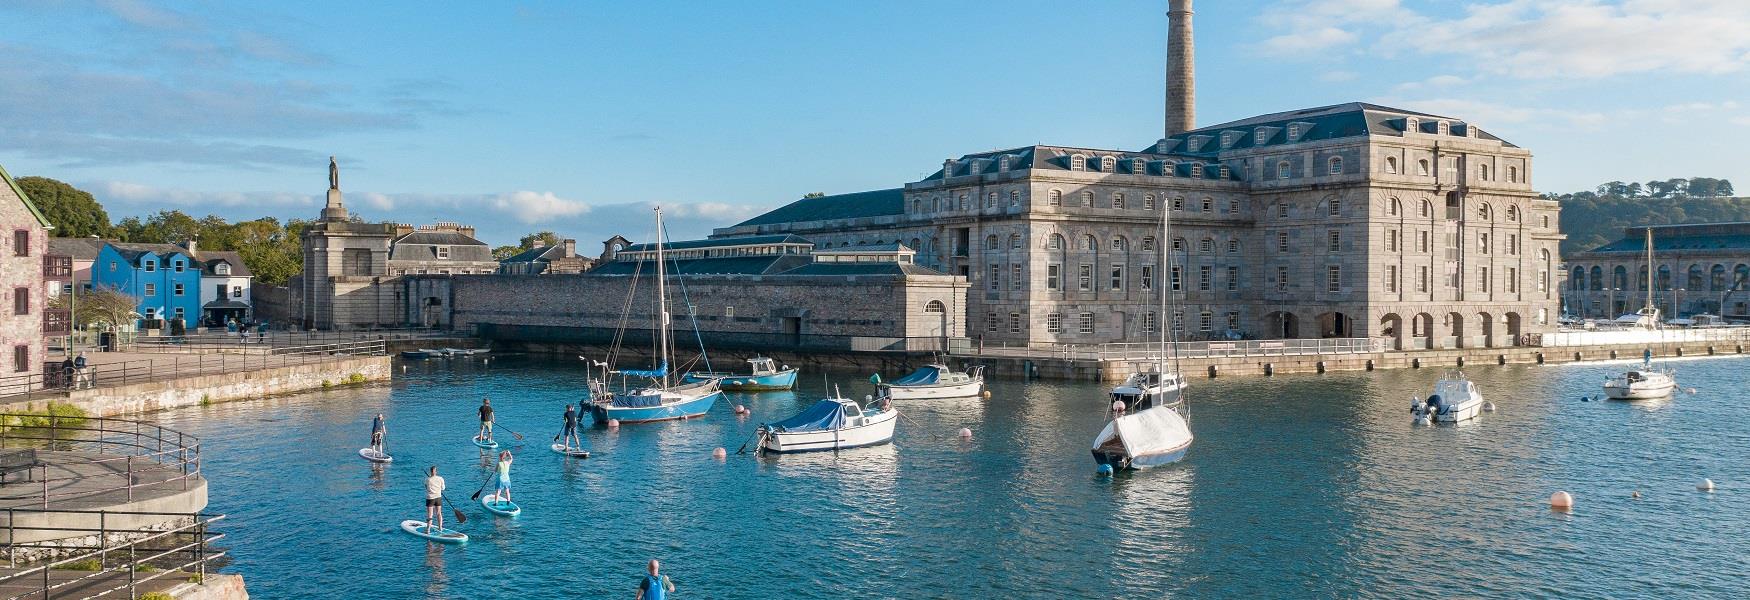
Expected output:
{"points": [[16, 461]]}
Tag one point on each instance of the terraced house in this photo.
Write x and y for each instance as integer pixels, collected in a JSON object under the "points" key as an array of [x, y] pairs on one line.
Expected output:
{"points": [[1349, 220]]}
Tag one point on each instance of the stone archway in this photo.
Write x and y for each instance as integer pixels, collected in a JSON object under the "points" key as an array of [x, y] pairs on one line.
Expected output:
{"points": [[1455, 327], [1282, 324], [1486, 328], [1335, 325], [1513, 328], [1422, 331], [1392, 326]]}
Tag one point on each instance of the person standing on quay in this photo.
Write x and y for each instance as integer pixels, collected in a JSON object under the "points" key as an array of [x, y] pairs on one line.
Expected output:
{"points": [[655, 586], [485, 420], [434, 499]]}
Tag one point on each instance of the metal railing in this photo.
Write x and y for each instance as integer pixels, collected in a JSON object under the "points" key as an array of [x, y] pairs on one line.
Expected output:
{"points": [[1138, 351], [182, 551], [173, 456], [223, 341], [57, 382], [1675, 335]]}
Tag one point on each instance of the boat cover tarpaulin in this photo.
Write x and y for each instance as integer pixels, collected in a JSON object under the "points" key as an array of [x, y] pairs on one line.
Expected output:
{"points": [[1152, 431], [825, 415], [659, 372], [638, 401], [924, 376]]}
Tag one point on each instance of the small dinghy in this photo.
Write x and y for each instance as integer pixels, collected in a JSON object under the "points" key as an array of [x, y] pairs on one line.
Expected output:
{"points": [[422, 353], [831, 424], [374, 455], [500, 507], [571, 452], [485, 443], [419, 528]]}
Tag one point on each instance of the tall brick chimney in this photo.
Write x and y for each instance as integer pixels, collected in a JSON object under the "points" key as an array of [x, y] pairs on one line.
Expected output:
{"points": [[1181, 69]]}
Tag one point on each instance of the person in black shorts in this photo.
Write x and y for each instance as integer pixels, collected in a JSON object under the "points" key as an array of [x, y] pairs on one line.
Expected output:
{"points": [[485, 420]]}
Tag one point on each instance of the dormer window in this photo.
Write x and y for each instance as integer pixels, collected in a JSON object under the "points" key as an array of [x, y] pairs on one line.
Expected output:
{"points": [[443, 252], [1108, 164], [176, 266], [1169, 169], [1227, 139], [1445, 128], [1225, 172], [1293, 132], [222, 269], [1336, 165], [1078, 162], [1003, 164], [151, 266], [1412, 124], [1261, 137], [1138, 166], [947, 168]]}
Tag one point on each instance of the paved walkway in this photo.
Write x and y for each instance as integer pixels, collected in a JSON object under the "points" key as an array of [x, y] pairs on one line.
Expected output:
{"points": [[30, 587], [87, 480]]}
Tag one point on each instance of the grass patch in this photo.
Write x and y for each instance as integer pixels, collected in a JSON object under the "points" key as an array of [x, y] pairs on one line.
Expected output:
{"points": [[195, 578], [145, 568], [89, 564], [327, 384], [206, 400]]}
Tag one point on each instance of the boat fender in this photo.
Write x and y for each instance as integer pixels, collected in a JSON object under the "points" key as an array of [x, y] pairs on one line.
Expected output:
{"points": [[1706, 485], [1104, 470], [987, 393], [1117, 406], [1488, 406]]}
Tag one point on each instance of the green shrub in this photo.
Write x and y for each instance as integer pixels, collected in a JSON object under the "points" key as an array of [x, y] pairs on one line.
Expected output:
{"points": [[89, 564], [195, 578], [206, 399], [327, 384], [354, 379], [65, 415], [145, 568]]}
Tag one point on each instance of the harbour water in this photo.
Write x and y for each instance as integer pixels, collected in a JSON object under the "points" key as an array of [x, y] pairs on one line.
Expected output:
{"points": [[1301, 486]]}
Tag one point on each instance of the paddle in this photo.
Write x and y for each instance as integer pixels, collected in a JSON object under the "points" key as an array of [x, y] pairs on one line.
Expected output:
{"points": [[519, 437], [460, 518], [476, 495]]}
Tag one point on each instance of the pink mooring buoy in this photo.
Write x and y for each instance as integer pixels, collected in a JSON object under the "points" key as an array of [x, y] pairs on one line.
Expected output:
{"points": [[719, 453], [1561, 500], [613, 423], [965, 433], [1117, 406]]}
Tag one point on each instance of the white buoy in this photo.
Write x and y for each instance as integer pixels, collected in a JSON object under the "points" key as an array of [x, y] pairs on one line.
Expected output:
{"points": [[719, 453], [987, 393], [1561, 501], [1706, 485], [965, 433], [1488, 406], [1690, 390], [1117, 406], [613, 423]]}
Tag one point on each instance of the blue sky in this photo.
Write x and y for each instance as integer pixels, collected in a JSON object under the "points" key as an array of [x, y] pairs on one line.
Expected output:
{"points": [[578, 116]]}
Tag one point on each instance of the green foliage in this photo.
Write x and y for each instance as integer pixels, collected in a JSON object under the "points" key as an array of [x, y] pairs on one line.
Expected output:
{"points": [[327, 384], [810, 195], [156, 596], [272, 251], [74, 212], [60, 415], [145, 568], [89, 564], [548, 239], [1594, 218], [101, 306], [354, 379], [504, 252]]}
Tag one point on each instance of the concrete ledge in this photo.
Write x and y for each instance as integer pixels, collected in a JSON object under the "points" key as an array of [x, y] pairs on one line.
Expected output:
{"points": [[194, 390], [217, 586]]}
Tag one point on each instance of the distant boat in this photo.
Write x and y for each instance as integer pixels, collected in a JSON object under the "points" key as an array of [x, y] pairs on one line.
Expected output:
{"points": [[660, 401], [765, 376], [422, 353], [1154, 427], [830, 424], [1455, 399], [1646, 382], [935, 381], [464, 351]]}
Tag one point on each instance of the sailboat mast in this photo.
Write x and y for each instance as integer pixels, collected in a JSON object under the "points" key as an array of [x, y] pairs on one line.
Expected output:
{"points": [[1162, 283], [1652, 278], [661, 301]]}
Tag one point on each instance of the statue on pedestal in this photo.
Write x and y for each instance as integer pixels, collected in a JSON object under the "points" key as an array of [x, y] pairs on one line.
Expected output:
{"points": [[333, 174]]}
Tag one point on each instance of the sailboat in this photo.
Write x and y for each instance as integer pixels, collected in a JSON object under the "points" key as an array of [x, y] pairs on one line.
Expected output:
{"points": [[1154, 428], [1648, 381], [661, 400]]}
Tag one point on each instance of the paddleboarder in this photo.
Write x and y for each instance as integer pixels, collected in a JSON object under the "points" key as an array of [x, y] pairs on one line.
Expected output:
{"points": [[502, 486], [654, 586], [485, 420], [434, 499], [570, 433], [377, 431]]}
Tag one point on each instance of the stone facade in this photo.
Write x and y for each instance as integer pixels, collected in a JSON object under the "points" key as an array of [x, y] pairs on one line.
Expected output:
{"points": [[1701, 268], [21, 273]]}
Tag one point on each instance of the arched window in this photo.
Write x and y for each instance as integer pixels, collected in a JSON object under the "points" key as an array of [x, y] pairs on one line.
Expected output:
{"points": [[935, 205], [1716, 278], [1619, 278], [1578, 281], [1484, 212], [1336, 165], [1391, 165], [1055, 242], [1206, 245], [1138, 166], [1016, 242], [1396, 208], [1641, 282], [1078, 162], [1422, 167], [1108, 164], [963, 202], [1483, 172], [1088, 199], [1427, 208], [917, 206], [1282, 170], [1118, 200], [1014, 198], [1120, 244], [1696, 279], [1335, 208], [1445, 128], [1512, 174], [1512, 214], [1169, 168], [1056, 198], [1148, 244], [1596, 279], [1090, 244], [990, 200], [1740, 276], [990, 243], [917, 245], [1664, 281], [935, 306]]}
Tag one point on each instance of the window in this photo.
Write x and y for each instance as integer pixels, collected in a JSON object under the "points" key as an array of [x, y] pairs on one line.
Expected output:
{"points": [[1118, 200], [177, 266], [1512, 174], [1085, 278], [177, 314], [1178, 244], [1512, 280], [1282, 170], [917, 206], [1174, 282], [1147, 278], [1016, 281], [991, 243], [1203, 321], [1117, 278], [1281, 241], [1204, 274], [936, 307], [1014, 322], [996, 272], [1088, 199], [1148, 244], [1233, 246], [1293, 132], [1483, 279], [1422, 280], [21, 242], [1169, 168], [963, 202], [151, 266], [1120, 244], [1054, 323], [1335, 208], [21, 301], [1178, 321], [443, 252], [990, 200], [1055, 242], [1422, 167], [1056, 198], [1394, 208], [176, 290], [1148, 202], [1336, 165], [1513, 214], [1002, 165], [1445, 128], [1483, 172], [1336, 240], [1053, 275], [1546, 221], [1015, 241], [222, 269], [1223, 172], [1178, 204], [112, 266], [1206, 245], [1483, 242], [151, 289], [1391, 165], [1391, 240], [1148, 322], [1108, 164], [1391, 279], [1513, 244], [1090, 244], [1233, 279], [1138, 167], [1233, 207], [1014, 198], [1282, 211], [1085, 323], [1281, 279], [1334, 278], [1422, 242], [21, 358], [1208, 205], [993, 323], [236, 291]]}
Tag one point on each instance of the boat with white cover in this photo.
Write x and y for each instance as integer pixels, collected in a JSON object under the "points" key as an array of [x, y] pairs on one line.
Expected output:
{"points": [[1151, 423], [935, 381], [1455, 399], [831, 424]]}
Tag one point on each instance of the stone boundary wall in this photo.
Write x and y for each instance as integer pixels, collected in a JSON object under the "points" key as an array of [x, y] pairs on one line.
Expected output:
{"points": [[194, 390]]}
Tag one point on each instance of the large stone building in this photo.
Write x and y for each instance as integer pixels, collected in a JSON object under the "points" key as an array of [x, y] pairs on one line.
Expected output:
{"points": [[352, 269], [22, 271], [1349, 220], [1698, 268]]}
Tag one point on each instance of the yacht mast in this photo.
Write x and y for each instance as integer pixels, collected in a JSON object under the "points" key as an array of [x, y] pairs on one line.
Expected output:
{"points": [[1652, 279], [1162, 283], [661, 301]]}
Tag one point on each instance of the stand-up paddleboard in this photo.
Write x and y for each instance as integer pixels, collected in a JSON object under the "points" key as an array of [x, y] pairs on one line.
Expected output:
{"points": [[485, 443], [437, 534], [373, 455], [500, 507], [571, 452]]}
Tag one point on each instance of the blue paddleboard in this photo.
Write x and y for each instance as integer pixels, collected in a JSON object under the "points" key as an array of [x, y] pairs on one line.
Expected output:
{"points": [[485, 443], [500, 507], [418, 528]]}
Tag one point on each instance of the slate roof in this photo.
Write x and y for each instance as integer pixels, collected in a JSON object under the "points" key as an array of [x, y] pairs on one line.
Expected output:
{"points": [[210, 260], [531, 255], [885, 248], [842, 206], [422, 246], [738, 265], [78, 248], [1692, 236], [843, 269], [133, 251], [1353, 119], [752, 240], [439, 238]]}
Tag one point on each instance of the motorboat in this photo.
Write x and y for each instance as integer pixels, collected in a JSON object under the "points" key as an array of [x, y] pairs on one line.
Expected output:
{"points": [[935, 381], [463, 351], [1455, 399], [765, 376], [422, 353], [831, 424], [1149, 388], [1645, 383], [1151, 437]]}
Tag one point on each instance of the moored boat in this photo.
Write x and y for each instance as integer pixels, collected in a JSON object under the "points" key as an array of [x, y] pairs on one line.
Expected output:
{"points": [[1150, 388], [422, 353], [765, 376], [935, 381], [830, 424], [1151, 437], [1645, 383], [1455, 399]]}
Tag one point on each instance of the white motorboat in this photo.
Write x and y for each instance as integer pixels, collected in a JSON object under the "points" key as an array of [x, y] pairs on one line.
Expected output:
{"points": [[831, 424], [936, 381], [1645, 383], [1455, 399], [1149, 388]]}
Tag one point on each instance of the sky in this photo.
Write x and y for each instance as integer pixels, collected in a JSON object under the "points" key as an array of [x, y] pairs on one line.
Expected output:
{"points": [[579, 117]]}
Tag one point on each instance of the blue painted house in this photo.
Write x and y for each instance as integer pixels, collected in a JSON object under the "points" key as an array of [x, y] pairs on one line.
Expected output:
{"points": [[163, 276]]}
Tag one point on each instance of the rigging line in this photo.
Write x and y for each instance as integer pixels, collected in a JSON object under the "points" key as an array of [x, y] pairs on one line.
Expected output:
{"points": [[692, 311], [625, 315]]}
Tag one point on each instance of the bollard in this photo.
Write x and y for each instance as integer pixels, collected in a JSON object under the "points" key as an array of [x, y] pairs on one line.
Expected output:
{"points": [[1212, 371], [1577, 357], [1710, 350], [1461, 361], [1269, 369], [1370, 364], [1680, 351], [1415, 363], [1501, 359], [1321, 366], [1540, 358], [1612, 355]]}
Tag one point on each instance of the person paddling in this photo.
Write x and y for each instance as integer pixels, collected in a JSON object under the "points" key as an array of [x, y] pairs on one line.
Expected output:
{"points": [[377, 432], [434, 499], [485, 420], [654, 586], [570, 433], [502, 486]]}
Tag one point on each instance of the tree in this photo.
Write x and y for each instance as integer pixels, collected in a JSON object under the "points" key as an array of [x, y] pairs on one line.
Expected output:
{"points": [[99, 307], [165, 227], [811, 195], [548, 239], [73, 212], [504, 252]]}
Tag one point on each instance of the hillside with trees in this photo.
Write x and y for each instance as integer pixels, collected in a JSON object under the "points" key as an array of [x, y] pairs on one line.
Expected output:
{"points": [[1597, 217]]}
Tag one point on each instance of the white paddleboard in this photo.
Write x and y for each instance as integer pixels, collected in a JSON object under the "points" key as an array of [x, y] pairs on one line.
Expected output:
{"points": [[371, 454], [496, 506], [418, 528], [571, 452]]}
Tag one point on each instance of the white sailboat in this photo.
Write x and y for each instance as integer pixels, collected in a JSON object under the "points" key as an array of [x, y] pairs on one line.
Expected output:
{"points": [[1154, 429], [1648, 381]]}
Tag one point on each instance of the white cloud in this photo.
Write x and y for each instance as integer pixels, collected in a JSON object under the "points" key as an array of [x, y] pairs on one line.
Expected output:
{"points": [[378, 201], [1493, 115], [141, 194], [1307, 41], [536, 207]]}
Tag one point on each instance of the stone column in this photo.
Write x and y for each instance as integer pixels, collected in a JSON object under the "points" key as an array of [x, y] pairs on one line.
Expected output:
{"points": [[1181, 107]]}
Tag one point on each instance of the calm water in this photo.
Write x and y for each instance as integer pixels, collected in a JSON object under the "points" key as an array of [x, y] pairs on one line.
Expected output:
{"points": [[1307, 486]]}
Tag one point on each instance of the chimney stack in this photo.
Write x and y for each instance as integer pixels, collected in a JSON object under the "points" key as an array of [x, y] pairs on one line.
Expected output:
{"points": [[1181, 69]]}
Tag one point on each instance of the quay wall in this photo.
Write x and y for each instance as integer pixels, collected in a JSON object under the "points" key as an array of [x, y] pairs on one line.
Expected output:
{"points": [[221, 387]]}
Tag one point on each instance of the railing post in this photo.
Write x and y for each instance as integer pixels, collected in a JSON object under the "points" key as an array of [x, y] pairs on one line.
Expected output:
{"points": [[103, 536], [130, 567], [130, 478]]}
